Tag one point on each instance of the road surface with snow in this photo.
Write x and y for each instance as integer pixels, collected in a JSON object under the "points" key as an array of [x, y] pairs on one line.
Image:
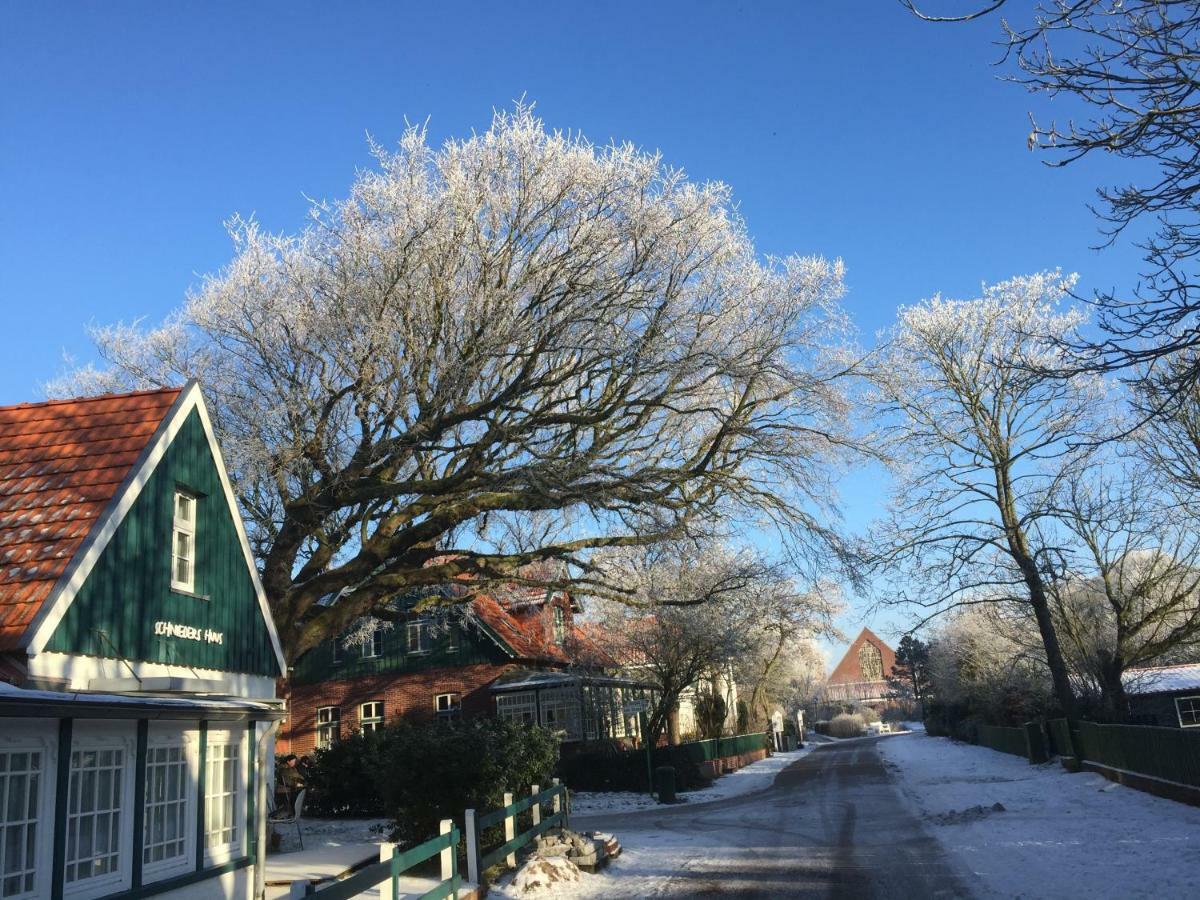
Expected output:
{"points": [[832, 825]]}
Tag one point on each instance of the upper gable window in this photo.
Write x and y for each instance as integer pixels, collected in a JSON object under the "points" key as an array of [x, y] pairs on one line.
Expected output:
{"points": [[560, 626], [183, 543]]}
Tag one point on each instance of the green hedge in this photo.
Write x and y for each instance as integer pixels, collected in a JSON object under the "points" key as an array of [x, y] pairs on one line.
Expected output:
{"points": [[1004, 739], [420, 774], [609, 769]]}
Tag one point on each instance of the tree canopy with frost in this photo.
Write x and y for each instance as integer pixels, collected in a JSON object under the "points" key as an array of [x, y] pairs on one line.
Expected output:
{"points": [[706, 610], [981, 433], [1123, 78], [515, 323]]}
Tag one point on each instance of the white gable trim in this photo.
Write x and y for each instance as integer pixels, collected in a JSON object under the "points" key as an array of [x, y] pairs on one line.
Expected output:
{"points": [[48, 618]]}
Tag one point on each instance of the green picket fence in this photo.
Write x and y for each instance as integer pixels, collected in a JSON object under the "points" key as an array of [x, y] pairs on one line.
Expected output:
{"points": [[479, 860], [1172, 754], [445, 844], [1004, 739]]}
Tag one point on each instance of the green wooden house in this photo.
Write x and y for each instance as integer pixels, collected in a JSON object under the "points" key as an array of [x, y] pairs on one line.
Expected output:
{"points": [[137, 653]]}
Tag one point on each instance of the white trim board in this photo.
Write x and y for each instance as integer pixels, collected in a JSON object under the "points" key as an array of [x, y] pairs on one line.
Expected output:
{"points": [[42, 627]]}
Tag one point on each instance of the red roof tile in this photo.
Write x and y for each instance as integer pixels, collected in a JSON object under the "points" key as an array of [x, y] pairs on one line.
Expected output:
{"points": [[61, 463]]}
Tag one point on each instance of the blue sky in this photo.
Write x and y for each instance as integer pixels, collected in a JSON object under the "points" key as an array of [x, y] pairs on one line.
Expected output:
{"points": [[130, 131]]}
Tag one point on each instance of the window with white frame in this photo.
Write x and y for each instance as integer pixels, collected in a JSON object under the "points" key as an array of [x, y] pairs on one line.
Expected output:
{"points": [[21, 788], [164, 840], [95, 810], [448, 706], [336, 656], [373, 645], [183, 543], [370, 715], [519, 706], [418, 637], [329, 725], [222, 792], [452, 638], [560, 711], [1189, 711]]}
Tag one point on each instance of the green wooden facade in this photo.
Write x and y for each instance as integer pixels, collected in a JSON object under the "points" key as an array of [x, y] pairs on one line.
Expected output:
{"points": [[128, 592], [473, 647]]}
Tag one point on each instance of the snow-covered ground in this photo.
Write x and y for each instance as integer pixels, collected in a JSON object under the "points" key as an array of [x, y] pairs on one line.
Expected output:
{"points": [[754, 777], [331, 832], [1057, 834]]}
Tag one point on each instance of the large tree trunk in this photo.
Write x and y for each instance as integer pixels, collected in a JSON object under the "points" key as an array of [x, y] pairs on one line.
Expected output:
{"points": [[1018, 546], [1112, 691]]}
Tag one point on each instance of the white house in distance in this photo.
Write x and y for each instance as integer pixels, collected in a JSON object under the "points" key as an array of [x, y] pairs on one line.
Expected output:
{"points": [[137, 653]]}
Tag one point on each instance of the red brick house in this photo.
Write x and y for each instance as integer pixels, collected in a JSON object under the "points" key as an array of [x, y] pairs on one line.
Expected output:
{"points": [[862, 675], [518, 655]]}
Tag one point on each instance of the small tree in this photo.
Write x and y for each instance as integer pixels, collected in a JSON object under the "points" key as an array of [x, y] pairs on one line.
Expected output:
{"points": [[910, 674]]}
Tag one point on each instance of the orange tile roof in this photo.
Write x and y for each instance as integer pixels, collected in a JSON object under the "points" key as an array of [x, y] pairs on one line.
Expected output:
{"points": [[61, 463]]}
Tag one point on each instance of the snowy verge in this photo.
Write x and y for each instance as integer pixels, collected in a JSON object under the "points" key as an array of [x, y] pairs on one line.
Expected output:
{"points": [[1037, 831], [752, 778]]}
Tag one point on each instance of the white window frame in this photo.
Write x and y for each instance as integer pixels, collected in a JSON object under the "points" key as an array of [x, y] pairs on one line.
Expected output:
{"points": [[560, 626], [452, 708], [370, 719], [92, 737], [517, 706], [424, 638], [229, 737], [332, 724], [39, 737], [183, 526], [372, 647], [561, 710], [1193, 700], [163, 735]]}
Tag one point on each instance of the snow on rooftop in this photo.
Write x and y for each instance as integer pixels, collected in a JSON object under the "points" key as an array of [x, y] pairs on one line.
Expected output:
{"points": [[1162, 679]]}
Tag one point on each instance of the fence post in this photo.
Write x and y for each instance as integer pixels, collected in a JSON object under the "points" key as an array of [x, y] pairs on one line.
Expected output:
{"points": [[473, 859], [395, 872], [536, 809], [510, 830], [447, 854]]}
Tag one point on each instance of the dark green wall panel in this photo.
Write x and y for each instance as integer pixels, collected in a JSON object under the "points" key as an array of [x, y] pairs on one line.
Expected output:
{"points": [[129, 589], [473, 647]]}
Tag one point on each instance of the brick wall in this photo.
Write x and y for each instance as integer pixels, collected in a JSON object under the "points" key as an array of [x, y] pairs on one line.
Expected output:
{"points": [[409, 695]]}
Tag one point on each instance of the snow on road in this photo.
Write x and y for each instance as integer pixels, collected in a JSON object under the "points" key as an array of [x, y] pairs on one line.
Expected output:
{"points": [[1058, 834], [755, 777]]}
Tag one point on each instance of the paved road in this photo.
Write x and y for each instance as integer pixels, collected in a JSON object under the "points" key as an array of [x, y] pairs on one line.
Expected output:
{"points": [[833, 825]]}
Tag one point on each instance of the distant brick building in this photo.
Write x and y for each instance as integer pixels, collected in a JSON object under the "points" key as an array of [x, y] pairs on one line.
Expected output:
{"points": [[862, 675], [519, 656]]}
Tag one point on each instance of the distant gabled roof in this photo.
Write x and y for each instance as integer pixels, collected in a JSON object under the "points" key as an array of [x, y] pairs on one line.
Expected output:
{"points": [[1162, 679], [849, 670], [62, 463]]}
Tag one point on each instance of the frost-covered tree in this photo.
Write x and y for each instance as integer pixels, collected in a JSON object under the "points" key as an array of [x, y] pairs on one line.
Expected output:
{"points": [[1125, 591], [514, 324], [981, 435], [1122, 75], [703, 611]]}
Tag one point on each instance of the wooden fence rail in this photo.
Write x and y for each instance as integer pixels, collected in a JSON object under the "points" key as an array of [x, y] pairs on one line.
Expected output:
{"points": [[393, 863], [478, 860]]}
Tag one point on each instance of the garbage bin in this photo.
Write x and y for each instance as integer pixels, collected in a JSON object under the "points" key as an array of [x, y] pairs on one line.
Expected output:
{"points": [[664, 783]]}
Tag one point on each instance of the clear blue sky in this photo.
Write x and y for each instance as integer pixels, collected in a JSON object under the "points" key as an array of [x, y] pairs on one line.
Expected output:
{"points": [[130, 131]]}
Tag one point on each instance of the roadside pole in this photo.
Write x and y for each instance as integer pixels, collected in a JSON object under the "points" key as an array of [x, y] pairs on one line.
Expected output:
{"points": [[644, 724]]}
